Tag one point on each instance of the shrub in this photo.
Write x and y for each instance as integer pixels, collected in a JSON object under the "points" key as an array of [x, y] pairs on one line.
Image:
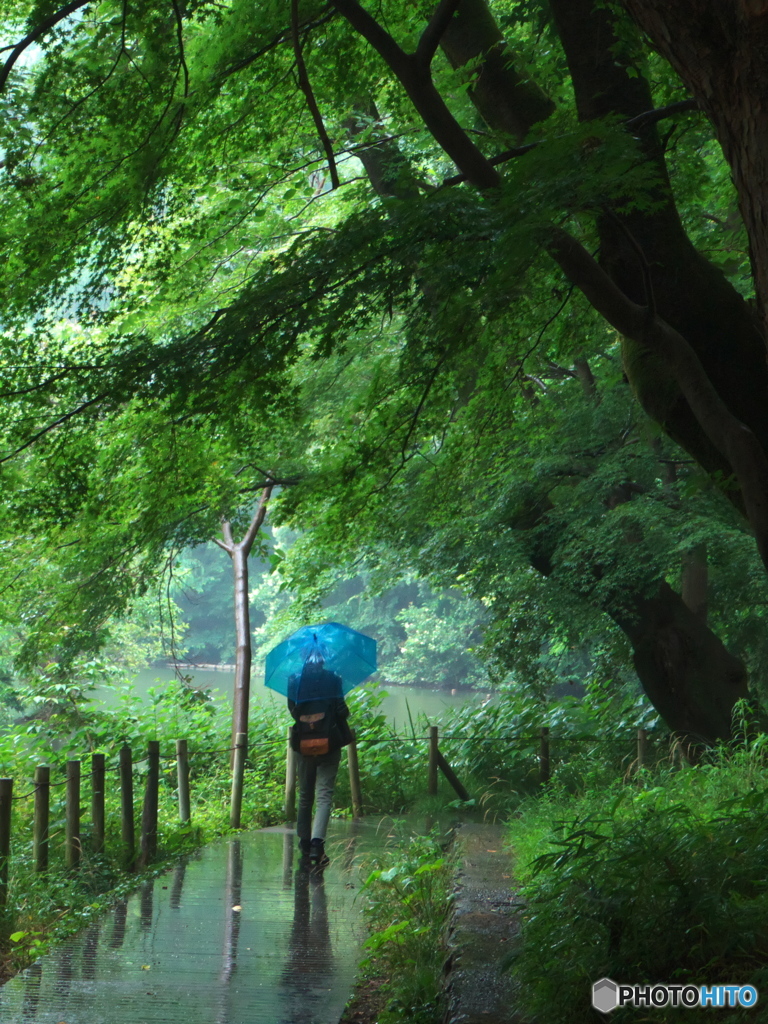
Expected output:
{"points": [[407, 903], [662, 883]]}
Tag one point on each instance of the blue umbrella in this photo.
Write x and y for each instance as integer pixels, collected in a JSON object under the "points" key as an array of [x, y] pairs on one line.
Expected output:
{"points": [[317, 662]]}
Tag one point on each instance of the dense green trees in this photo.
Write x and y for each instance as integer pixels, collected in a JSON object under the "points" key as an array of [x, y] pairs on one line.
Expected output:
{"points": [[381, 262]]}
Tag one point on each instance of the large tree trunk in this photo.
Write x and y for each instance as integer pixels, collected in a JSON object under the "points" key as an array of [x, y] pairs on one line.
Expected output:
{"points": [[685, 670], [718, 47], [695, 581], [507, 101], [690, 293], [682, 665]]}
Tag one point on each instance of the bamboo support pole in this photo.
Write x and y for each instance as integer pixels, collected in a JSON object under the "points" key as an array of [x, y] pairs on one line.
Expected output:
{"points": [[544, 756], [72, 812], [289, 803], [642, 746], [148, 843], [42, 816], [238, 771], [450, 774], [433, 752], [127, 828], [97, 801], [354, 778], [182, 775], [6, 802]]}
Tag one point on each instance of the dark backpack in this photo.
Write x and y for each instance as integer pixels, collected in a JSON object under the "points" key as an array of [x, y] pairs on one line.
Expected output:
{"points": [[318, 729]]}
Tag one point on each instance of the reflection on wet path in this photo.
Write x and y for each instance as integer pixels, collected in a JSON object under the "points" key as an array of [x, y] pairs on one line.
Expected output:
{"points": [[238, 934]]}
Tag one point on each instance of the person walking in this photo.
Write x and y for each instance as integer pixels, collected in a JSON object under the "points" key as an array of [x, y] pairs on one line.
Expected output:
{"points": [[321, 728]]}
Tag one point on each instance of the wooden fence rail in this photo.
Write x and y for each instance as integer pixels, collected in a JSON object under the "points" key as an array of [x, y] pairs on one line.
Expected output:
{"points": [[438, 760], [135, 855], [141, 854]]}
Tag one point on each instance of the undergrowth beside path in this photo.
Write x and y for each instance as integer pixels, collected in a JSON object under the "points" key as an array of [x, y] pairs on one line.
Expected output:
{"points": [[660, 880], [407, 902]]}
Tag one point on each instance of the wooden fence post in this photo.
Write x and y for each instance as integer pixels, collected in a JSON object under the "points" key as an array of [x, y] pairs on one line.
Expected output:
{"points": [[642, 746], [148, 843], [289, 803], [433, 752], [97, 801], [72, 827], [6, 797], [354, 778], [182, 774], [238, 771], [544, 756], [127, 830], [42, 816]]}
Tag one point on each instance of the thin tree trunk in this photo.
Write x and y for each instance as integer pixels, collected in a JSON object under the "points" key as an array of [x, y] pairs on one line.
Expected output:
{"points": [[239, 551], [243, 653]]}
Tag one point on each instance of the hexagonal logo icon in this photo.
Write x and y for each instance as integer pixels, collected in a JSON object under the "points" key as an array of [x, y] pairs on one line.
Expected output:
{"points": [[605, 995]]}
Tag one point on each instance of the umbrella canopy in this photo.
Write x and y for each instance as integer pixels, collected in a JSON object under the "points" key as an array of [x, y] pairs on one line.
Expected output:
{"points": [[318, 662]]}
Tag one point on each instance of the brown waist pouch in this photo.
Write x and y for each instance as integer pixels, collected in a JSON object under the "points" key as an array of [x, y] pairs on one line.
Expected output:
{"points": [[314, 746]]}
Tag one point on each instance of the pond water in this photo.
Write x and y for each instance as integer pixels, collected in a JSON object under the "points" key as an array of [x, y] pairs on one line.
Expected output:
{"points": [[398, 702]]}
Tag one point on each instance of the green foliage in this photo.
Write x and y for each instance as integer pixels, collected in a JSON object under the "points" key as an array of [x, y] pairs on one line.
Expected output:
{"points": [[391, 766], [494, 747], [404, 361], [408, 898], [661, 881]]}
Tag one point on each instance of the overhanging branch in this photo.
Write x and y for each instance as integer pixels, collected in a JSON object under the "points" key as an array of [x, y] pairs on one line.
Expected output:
{"points": [[306, 88], [35, 34], [729, 435]]}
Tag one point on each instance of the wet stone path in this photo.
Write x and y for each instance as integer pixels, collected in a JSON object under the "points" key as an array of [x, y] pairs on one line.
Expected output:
{"points": [[236, 934]]}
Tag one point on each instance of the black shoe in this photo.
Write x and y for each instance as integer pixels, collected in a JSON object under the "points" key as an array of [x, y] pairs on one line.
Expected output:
{"points": [[317, 855]]}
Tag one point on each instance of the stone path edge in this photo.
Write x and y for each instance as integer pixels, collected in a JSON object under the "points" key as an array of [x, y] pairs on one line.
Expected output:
{"points": [[482, 932]]}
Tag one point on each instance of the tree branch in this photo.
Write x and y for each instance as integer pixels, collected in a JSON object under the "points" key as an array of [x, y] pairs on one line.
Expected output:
{"points": [[500, 158], [250, 535], [659, 113], [278, 39], [223, 546], [729, 435], [306, 88], [433, 33], [418, 84], [226, 529], [362, 22], [180, 38], [36, 33], [648, 117], [52, 426]]}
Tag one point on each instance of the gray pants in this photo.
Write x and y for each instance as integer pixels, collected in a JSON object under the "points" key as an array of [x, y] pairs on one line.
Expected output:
{"points": [[317, 776]]}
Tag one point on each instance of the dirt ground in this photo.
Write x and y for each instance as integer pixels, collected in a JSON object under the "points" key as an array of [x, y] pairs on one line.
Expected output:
{"points": [[367, 1002]]}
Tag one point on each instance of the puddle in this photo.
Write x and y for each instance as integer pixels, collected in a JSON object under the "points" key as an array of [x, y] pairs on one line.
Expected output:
{"points": [[179, 951]]}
